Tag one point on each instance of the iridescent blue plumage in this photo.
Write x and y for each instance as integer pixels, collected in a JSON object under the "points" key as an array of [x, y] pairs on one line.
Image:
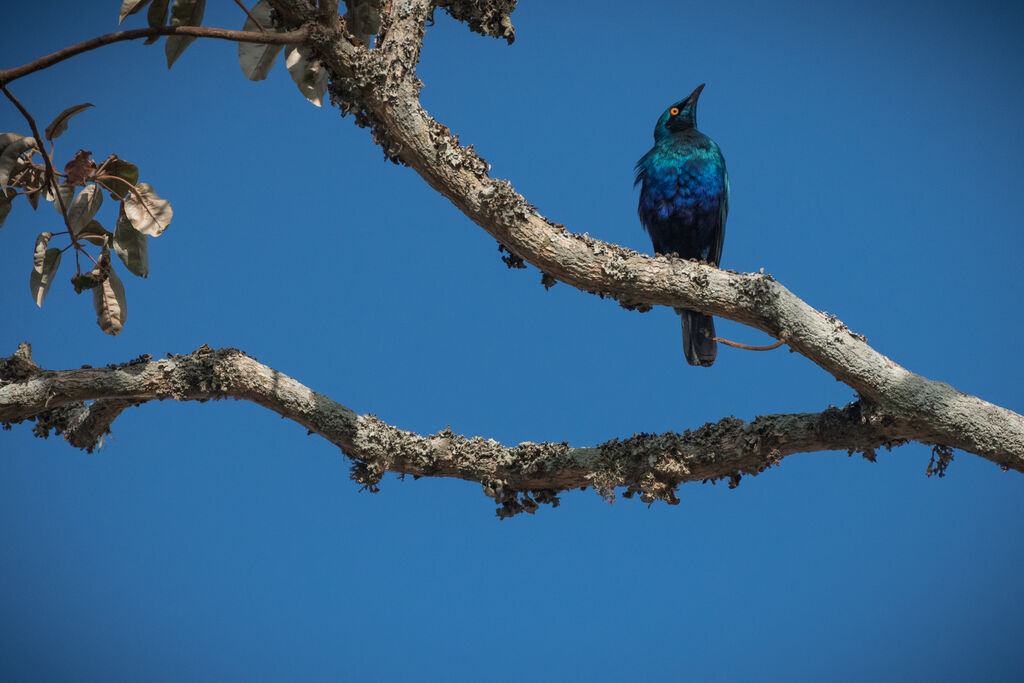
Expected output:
{"points": [[684, 199]]}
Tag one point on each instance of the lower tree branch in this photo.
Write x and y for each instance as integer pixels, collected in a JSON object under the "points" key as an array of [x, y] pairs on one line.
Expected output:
{"points": [[82, 404]]}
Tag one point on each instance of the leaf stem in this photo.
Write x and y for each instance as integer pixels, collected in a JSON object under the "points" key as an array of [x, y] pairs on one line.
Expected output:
{"points": [[87, 255], [749, 347], [249, 14], [100, 177], [50, 171]]}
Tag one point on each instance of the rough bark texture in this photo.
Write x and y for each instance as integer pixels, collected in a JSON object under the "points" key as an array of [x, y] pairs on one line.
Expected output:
{"points": [[81, 404], [380, 89]]}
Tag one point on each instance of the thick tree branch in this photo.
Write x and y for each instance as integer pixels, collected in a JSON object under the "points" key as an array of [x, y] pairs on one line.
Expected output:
{"points": [[381, 89], [297, 36], [649, 465]]}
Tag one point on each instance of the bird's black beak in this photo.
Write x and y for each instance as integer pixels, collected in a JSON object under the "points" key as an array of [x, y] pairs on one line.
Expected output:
{"points": [[692, 99]]}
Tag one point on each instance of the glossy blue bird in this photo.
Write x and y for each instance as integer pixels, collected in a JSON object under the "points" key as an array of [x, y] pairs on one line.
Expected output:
{"points": [[684, 199]]}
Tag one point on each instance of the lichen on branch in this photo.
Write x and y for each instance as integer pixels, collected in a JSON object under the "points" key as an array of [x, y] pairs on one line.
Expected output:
{"points": [[381, 88], [486, 17], [388, 98], [81, 405]]}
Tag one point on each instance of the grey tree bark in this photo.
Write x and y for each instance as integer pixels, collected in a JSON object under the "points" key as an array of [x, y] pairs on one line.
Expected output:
{"points": [[380, 89]]}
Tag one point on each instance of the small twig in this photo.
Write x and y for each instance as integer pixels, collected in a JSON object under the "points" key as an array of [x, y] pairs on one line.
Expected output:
{"points": [[35, 129], [15, 178], [297, 36], [748, 347], [50, 171], [249, 14], [100, 177]]}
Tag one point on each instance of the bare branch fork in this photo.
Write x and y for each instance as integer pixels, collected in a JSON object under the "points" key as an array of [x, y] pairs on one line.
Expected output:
{"points": [[380, 88]]}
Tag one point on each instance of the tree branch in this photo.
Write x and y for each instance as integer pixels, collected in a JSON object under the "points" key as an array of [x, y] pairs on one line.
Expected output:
{"points": [[249, 14], [297, 36], [52, 181], [380, 87], [648, 465]]}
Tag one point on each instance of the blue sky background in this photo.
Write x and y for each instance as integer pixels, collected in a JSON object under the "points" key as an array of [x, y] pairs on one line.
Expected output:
{"points": [[875, 155]]}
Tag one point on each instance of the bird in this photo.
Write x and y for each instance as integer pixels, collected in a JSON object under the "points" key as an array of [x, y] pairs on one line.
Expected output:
{"points": [[684, 201]]}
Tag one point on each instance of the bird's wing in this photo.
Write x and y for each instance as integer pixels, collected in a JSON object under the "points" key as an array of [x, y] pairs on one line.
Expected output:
{"points": [[640, 170], [716, 246]]}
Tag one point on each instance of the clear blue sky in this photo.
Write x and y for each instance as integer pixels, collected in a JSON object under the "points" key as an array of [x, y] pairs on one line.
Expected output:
{"points": [[875, 155]]}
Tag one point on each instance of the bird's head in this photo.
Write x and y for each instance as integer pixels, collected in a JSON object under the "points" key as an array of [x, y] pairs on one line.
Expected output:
{"points": [[680, 116]]}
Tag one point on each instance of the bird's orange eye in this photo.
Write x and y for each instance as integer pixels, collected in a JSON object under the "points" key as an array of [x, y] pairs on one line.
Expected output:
{"points": [[673, 111]]}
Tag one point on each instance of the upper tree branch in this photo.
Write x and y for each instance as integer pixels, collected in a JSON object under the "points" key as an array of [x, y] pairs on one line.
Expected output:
{"points": [[297, 36], [651, 465], [380, 86]]}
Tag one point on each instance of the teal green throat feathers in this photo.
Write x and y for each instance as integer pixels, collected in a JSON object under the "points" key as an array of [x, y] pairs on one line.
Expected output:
{"points": [[684, 199]]}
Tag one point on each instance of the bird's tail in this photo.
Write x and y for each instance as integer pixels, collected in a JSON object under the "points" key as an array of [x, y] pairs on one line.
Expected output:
{"points": [[698, 338]]}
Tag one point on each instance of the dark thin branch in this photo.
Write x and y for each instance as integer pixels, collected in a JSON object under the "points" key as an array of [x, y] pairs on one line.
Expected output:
{"points": [[749, 347], [297, 36], [249, 14], [51, 172]]}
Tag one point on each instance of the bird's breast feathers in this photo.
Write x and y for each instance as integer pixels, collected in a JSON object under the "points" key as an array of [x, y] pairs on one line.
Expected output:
{"points": [[677, 183]]}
